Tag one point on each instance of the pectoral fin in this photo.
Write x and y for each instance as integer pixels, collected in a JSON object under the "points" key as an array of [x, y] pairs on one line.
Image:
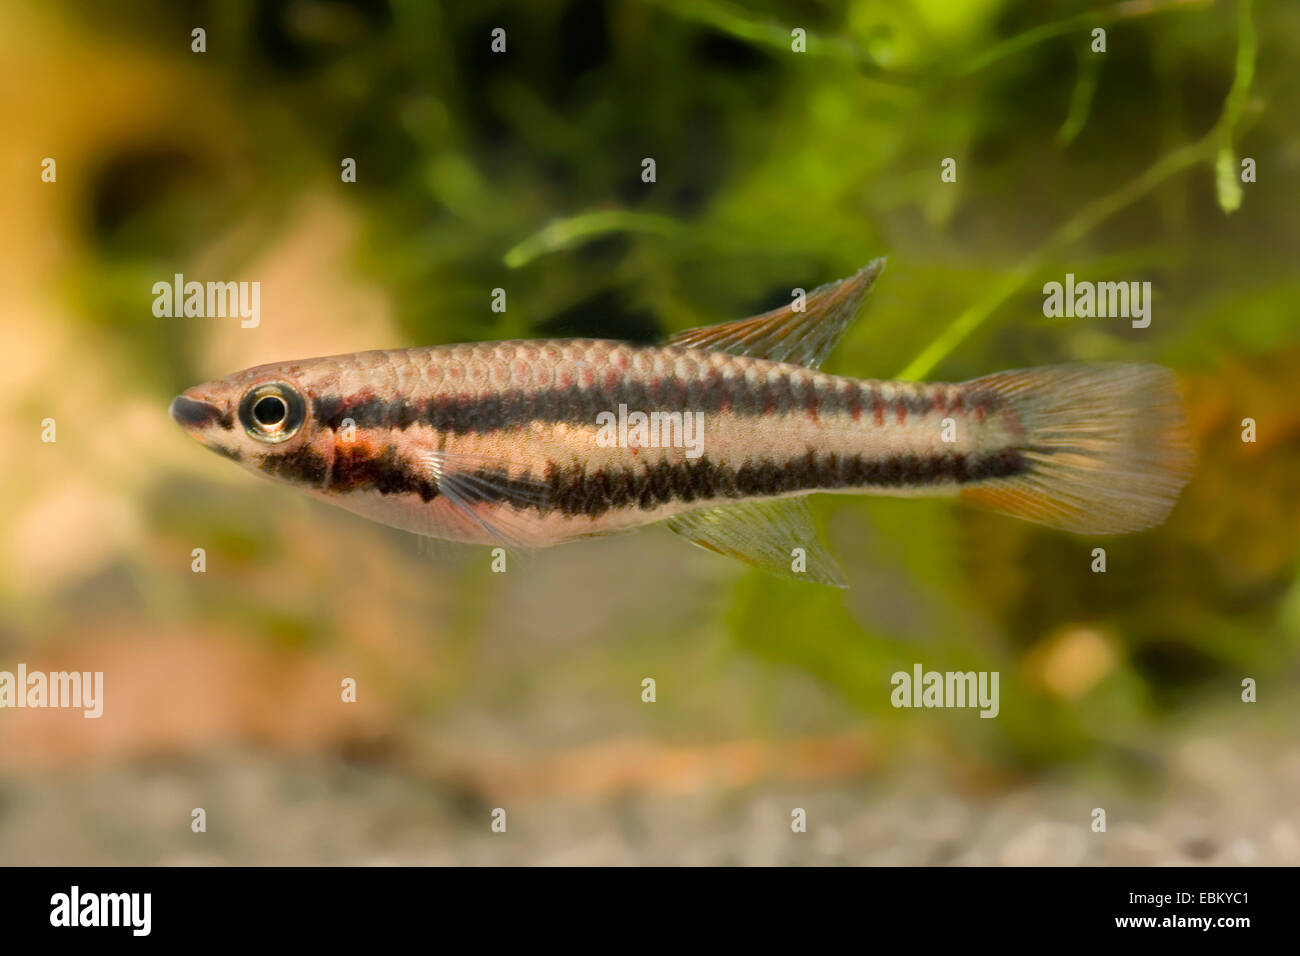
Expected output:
{"points": [[490, 493]]}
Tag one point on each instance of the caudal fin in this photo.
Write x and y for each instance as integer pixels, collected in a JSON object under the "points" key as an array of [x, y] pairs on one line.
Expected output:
{"points": [[1107, 445]]}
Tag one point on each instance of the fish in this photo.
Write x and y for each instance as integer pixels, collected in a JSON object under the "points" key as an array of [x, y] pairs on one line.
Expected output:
{"points": [[721, 434]]}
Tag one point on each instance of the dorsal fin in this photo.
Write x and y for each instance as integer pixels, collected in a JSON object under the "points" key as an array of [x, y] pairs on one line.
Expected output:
{"points": [[764, 534], [784, 335]]}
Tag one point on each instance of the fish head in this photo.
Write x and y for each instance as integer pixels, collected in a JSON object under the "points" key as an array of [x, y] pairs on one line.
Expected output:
{"points": [[261, 417]]}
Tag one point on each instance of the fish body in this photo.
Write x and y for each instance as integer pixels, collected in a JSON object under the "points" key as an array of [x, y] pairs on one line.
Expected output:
{"points": [[721, 434]]}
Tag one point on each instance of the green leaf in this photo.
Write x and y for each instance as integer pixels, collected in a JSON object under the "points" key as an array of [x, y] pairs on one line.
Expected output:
{"points": [[1225, 179]]}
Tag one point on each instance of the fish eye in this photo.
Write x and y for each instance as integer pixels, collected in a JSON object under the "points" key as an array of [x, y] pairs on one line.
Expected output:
{"points": [[272, 412], [269, 412]]}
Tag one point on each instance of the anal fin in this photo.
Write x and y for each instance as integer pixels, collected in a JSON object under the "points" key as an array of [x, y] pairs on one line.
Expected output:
{"points": [[764, 534]]}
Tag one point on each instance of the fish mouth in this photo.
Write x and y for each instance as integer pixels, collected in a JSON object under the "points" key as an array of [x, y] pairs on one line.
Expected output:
{"points": [[192, 413]]}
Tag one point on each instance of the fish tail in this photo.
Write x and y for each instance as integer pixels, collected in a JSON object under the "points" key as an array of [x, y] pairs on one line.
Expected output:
{"points": [[1106, 448]]}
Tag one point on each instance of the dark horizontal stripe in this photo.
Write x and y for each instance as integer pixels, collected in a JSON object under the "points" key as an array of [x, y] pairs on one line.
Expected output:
{"points": [[580, 406], [303, 465], [576, 491], [358, 469]]}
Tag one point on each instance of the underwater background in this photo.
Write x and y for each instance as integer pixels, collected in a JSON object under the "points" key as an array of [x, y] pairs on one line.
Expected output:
{"points": [[522, 171]]}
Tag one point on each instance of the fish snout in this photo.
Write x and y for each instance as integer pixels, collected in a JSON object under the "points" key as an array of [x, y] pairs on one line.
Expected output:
{"points": [[193, 413]]}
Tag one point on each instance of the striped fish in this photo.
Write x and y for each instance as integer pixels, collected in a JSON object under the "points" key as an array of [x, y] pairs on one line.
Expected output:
{"points": [[515, 443]]}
